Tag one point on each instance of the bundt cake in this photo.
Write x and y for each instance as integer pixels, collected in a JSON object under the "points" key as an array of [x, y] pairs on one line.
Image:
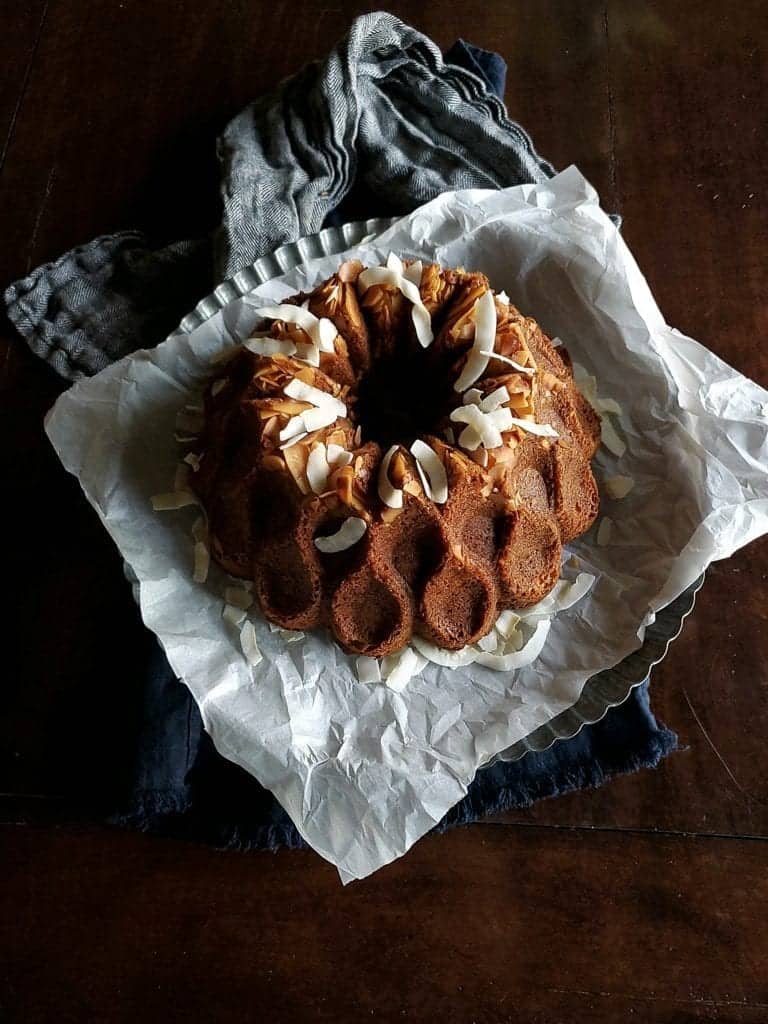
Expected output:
{"points": [[399, 451]]}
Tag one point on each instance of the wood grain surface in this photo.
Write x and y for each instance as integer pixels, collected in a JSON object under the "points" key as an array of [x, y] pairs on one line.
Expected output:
{"points": [[643, 900]]}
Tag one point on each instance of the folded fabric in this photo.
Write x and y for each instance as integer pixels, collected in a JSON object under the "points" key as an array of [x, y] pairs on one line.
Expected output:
{"points": [[181, 787], [383, 114], [383, 124]]}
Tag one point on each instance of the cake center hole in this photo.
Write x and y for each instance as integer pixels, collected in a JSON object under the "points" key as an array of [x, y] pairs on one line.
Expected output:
{"points": [[398, 401]]}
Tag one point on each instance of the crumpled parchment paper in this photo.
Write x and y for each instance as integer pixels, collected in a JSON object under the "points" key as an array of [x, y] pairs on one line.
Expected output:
{"points": [[362, 770]]}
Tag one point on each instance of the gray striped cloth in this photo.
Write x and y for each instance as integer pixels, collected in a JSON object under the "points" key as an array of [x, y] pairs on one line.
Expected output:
{"points": [[383, 121]]}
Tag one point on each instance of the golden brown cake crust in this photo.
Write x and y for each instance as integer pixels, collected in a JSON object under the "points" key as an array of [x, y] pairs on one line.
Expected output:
{"points": [[441, 568]]}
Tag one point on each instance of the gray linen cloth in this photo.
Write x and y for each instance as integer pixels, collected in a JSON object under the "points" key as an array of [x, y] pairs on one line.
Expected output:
{"points": [[383, 116]]}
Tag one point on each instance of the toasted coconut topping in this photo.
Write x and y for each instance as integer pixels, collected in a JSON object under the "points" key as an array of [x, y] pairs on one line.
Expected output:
{"points": [[233, 614], [528, 370], [432, 472], [338, 456], [507, 622], [610, 438], [527, 654], [618, 486], [539, 429], [315, 418], [484, 427], [492, 401], [368, 670], [200, 529], [440, 656], [318, 469], [347, 535], [294, 440], [320, 329], [202, 562], [563, 595], [314, 396], [398, 669], [391, 496], [238, 596], [263, 345], [604, 531], [395, 275], [485, 337], [248, 644]]}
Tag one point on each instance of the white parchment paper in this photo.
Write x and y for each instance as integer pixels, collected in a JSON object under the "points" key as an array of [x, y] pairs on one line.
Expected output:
{"points": [[362, 770]]}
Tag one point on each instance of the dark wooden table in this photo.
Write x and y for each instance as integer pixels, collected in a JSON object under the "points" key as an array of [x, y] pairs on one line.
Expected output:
{"points": [[645, 900]]}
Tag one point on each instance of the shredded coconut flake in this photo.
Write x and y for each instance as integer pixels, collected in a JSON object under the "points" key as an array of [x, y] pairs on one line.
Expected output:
{"points": [[248, 644], [320, 329], [564, 594], [489, 643], [368, 670], [263, 346], [391, 496], [527, 654], [504, 649], [609, 405], [193, 460], [507, 622], [503, 298], [414, 272], [529, 371], [540, 429], [294, 426], [618, 487], [604, 531], [291, 636], [318, 468], [610, 438], [348, 534], [238, 596], [202, 562], [338, 456], [314, 396], [439, 656], [485, 338], [603, 406], [316, 419], [496, 398], [395, 276], [173, 500], [483, 427], [294, 440], [434, 478], [233, 614], [405, 665]]}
